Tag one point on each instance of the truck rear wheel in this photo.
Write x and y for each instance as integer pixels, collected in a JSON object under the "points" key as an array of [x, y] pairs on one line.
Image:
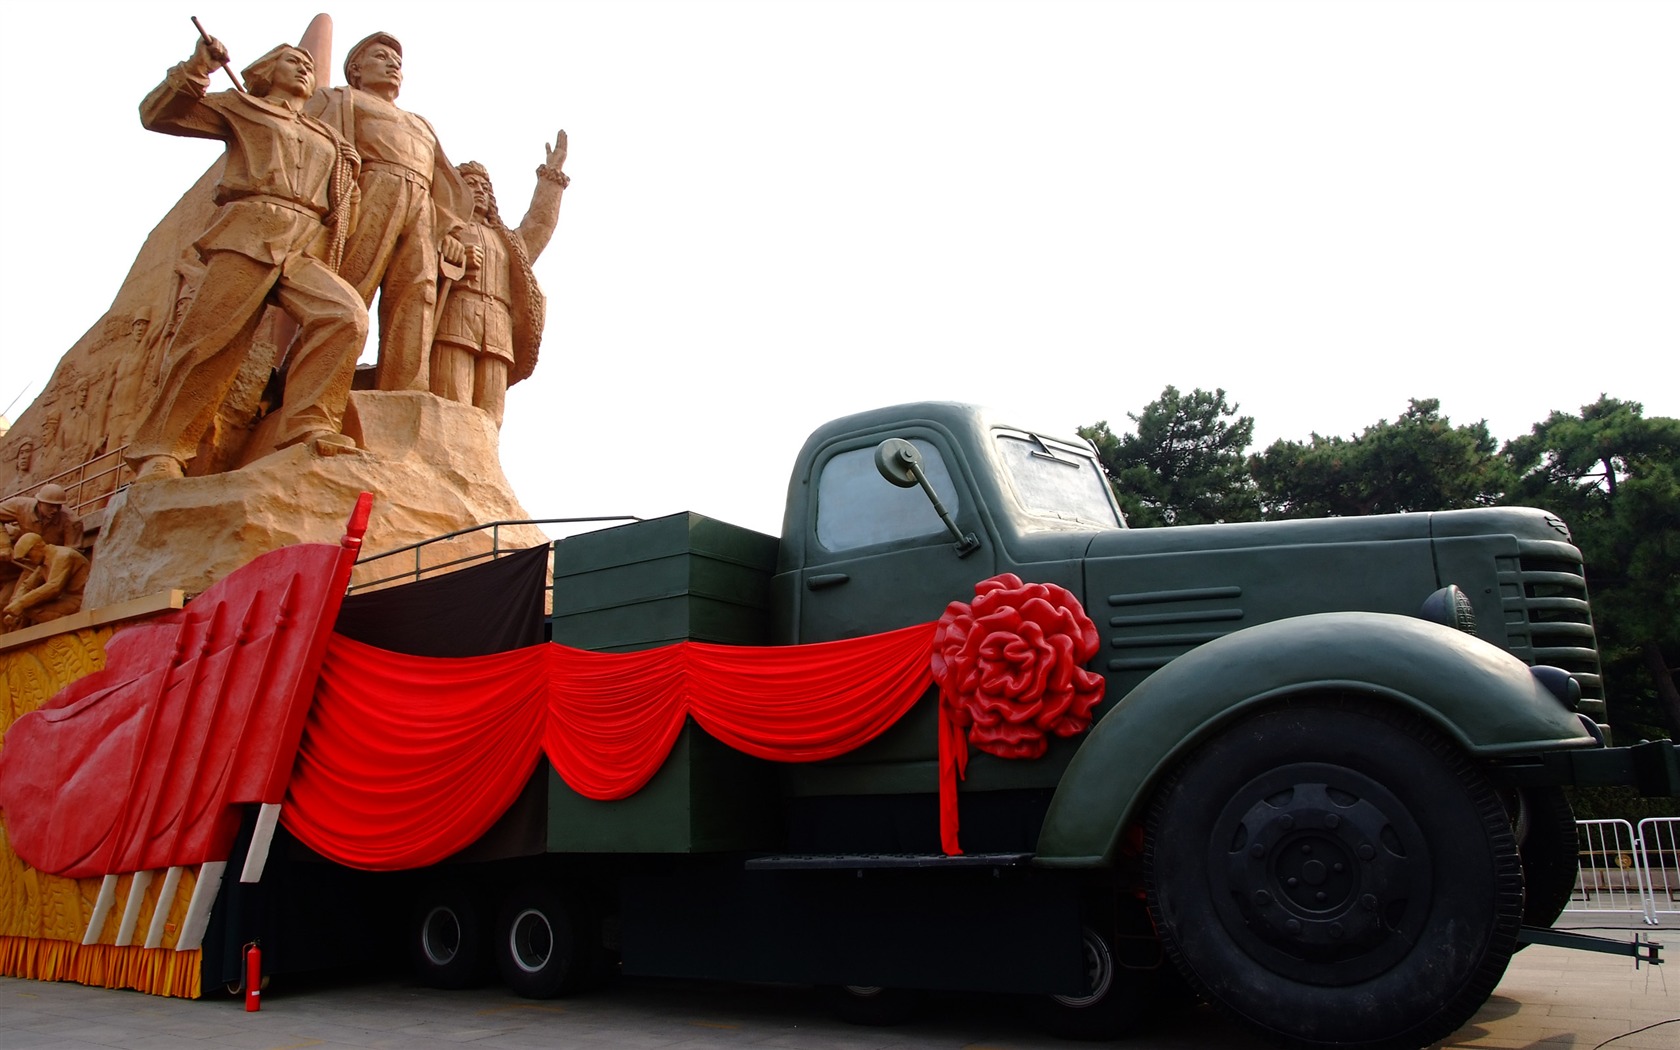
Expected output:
{"points": [[1335, 876], [447, 945], [541, 947]]}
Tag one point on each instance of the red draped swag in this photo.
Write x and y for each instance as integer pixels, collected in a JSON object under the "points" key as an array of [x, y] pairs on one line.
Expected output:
{"points": [[406, 760]]}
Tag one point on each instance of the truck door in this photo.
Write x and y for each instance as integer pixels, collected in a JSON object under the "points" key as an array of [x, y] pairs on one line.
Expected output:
{"points": [[877, 556]]}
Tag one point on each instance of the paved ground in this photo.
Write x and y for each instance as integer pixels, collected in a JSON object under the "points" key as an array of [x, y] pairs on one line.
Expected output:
{"points": [[1551, 999]]}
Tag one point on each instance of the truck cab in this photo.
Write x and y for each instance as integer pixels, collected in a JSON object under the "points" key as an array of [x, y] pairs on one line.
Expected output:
{"points": [[861, 555]]}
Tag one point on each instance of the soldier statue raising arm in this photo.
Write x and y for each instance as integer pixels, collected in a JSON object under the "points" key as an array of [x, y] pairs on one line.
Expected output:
{"points": [[283, 199]]}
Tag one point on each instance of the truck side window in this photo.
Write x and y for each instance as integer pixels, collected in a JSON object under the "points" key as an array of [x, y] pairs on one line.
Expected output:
{"points": [[857, 507]]}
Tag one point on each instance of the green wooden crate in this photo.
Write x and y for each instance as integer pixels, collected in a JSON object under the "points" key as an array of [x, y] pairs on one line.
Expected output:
{"points": [[655, 582], [652, 583]]}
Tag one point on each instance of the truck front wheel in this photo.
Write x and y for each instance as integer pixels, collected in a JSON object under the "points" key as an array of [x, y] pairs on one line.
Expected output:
{"points": [[870, 1005], [541, 949], [1119, 995], [1335, 875]]}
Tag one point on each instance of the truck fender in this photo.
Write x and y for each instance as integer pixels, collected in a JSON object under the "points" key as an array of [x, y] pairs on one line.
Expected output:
{"points": [[1477, 694]]}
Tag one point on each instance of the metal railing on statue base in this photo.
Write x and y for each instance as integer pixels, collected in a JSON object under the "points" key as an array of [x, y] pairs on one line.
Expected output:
{"points": [[399, 558], [89, 486]]}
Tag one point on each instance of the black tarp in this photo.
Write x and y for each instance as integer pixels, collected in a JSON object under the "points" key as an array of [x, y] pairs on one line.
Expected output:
{"points": [[487, 608]]}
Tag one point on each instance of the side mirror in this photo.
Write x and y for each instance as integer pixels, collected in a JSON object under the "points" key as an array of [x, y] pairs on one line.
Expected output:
{"points": [[900, 463]]}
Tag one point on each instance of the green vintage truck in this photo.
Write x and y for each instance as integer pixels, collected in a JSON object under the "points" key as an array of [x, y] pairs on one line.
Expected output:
{"points": [[1323, 787]]}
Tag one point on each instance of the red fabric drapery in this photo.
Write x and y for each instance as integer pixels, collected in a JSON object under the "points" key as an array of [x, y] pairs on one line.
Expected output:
{"points": [[407, 759]]}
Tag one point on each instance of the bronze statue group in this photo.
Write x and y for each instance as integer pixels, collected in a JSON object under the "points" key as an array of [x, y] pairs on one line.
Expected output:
{"points": [[327, 198]]}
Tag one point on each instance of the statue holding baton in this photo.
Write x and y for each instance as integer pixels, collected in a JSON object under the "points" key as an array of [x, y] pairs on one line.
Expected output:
{"points": [[284, 199]]}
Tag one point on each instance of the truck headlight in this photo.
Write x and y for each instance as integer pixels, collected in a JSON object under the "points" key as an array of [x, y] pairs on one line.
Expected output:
{"points": [[1450, 607]]}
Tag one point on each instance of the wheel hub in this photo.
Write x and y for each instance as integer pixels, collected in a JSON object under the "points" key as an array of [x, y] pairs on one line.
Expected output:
{"points": [[1320, 865], [1099, 971], [440, 936], [531, 939]]}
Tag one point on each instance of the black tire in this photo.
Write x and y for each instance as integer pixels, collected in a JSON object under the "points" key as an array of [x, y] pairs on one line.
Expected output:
{"points": [[868, 1005], [1335, 876], [542, 949], [1120, 995], [1550, 848], [446, 939]]}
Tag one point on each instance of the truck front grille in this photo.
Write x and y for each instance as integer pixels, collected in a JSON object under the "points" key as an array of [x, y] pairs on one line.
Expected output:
{"points": [[1547, 618]]}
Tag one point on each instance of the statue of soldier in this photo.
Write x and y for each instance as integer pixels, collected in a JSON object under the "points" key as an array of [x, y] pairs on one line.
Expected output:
{"points": [[490, 320], [412, 203], [36, 514], [10, 570], [51, 585], [284, 196], [43, 514]]}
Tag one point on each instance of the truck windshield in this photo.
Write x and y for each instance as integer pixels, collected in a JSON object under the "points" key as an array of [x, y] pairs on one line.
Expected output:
{"points": [[1057, 479]]}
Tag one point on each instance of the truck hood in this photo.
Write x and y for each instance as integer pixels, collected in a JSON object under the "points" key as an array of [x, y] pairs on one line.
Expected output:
{"points": [[1521, 522]]}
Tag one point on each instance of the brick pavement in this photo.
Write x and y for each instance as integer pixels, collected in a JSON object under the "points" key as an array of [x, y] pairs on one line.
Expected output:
{"points": [[1550, 999]]}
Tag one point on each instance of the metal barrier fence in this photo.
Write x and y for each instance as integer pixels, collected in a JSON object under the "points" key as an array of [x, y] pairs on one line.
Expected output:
{"points": [[1659, 839], [1629, 870]]}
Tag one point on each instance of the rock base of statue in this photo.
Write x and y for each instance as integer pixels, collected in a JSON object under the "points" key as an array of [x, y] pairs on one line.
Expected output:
{"points": [[431, 465]]}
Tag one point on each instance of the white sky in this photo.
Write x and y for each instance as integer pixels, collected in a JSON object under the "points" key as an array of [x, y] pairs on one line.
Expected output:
{"points": [[784, 212]]}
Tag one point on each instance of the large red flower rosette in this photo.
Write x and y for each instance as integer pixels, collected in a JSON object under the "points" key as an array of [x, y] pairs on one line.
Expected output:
{"points": [[1010, 675]]}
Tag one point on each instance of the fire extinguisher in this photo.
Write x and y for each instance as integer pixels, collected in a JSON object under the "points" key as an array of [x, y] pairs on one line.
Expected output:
{"points": [[253, 977]]}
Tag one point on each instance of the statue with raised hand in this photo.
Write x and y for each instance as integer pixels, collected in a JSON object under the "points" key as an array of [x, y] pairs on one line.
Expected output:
{"points": [[490, 318], [283, 209]]}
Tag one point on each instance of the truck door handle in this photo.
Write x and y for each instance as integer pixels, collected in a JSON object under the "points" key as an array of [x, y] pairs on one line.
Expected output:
{"points": [[827, 579]]}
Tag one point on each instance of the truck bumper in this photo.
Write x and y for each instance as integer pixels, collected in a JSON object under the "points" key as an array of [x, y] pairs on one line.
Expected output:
{"points": [[1651, 768]]}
